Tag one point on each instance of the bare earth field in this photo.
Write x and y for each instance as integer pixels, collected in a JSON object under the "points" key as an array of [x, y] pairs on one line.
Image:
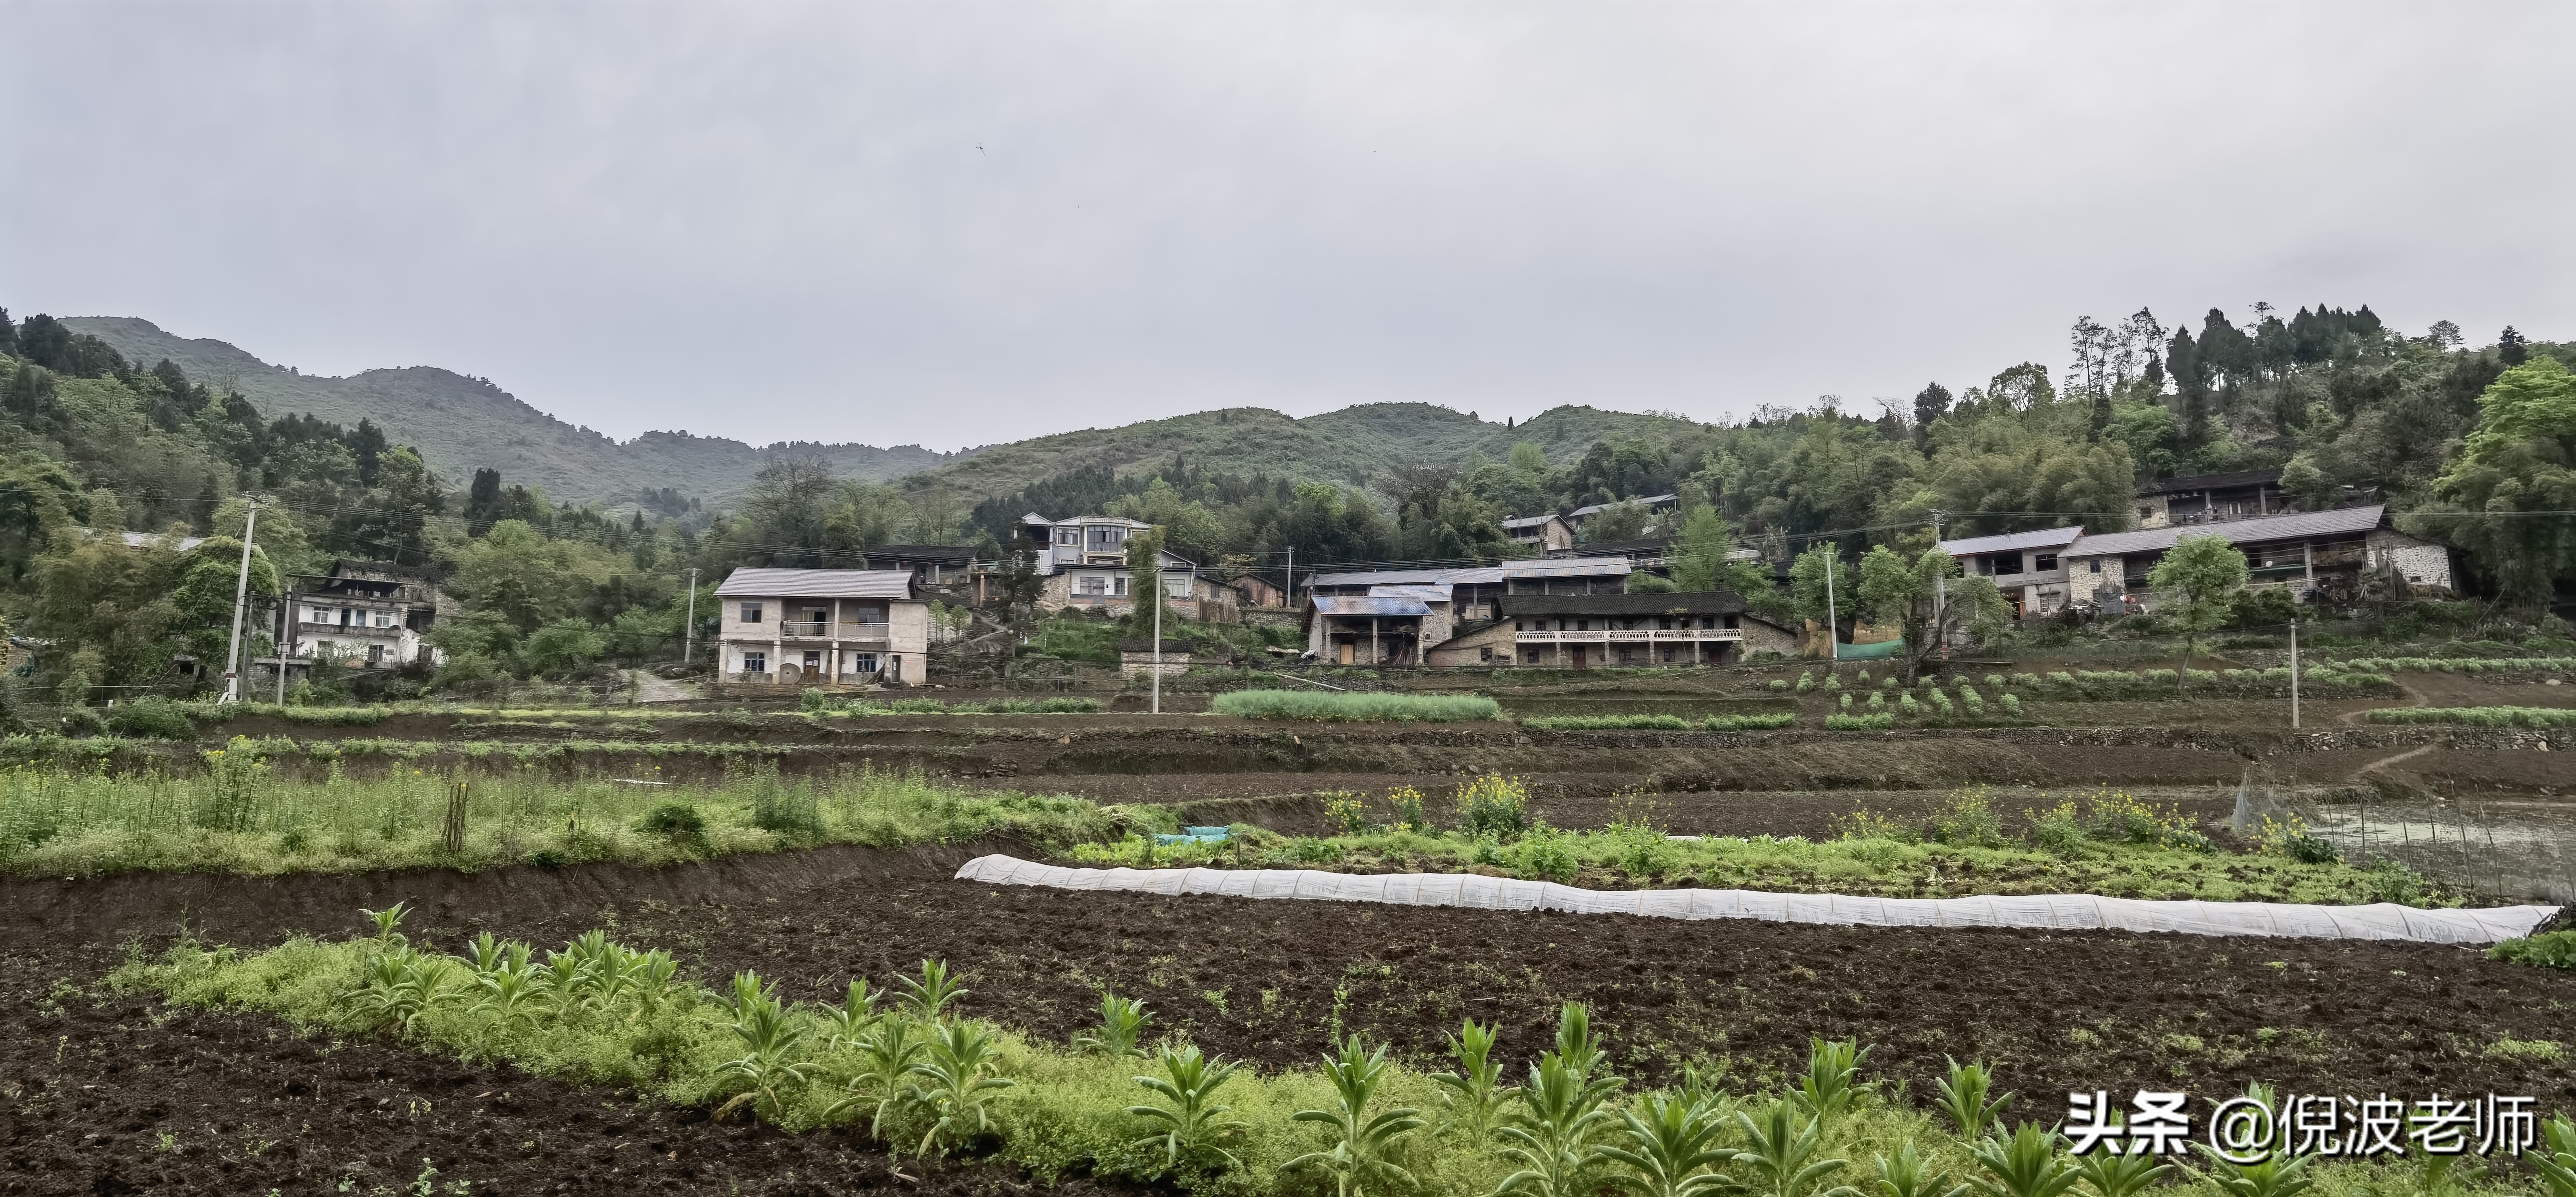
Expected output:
{"points": [[95, 1079]]}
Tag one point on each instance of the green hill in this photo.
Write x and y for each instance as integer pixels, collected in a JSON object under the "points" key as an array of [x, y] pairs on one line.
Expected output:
{"points": [[1355, 446], [462, 424]]}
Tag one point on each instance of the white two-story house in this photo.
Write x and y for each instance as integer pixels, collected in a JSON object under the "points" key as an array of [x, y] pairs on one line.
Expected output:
{"points": [[362, 615], [823, 627], [2029, 567], [1084, 562]]}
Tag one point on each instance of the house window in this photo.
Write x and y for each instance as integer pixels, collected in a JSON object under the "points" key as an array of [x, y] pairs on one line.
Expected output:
{"points": [[751, 614], [1071, 536], [1583, 625], [2007, 565], [2044, 562], [1119, 584], [2092, 567], [375, 656], [1485, 655], [755, 662], [862, 663], [1094, 584], [818, 616]]}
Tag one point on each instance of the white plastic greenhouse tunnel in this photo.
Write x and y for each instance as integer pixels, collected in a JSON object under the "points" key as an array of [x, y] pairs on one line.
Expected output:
{"points": [[2055, 912]]}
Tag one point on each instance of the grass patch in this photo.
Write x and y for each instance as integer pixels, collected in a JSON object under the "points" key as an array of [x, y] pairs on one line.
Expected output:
{"points": [[2479, 716], [2550, 949], [2111, 845], [240, 817], [1356, 708]]}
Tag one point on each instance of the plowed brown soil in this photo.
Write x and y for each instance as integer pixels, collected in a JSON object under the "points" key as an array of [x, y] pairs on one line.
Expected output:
{"points": [[1264, 981]]}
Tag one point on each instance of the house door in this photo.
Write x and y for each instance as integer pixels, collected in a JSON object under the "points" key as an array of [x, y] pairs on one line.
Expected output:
{"points": [[1348, 653], [375, 656], [1581, 658]]}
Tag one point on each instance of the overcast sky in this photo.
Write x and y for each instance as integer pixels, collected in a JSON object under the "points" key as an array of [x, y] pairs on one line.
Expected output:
{"points": [[960, 223]]}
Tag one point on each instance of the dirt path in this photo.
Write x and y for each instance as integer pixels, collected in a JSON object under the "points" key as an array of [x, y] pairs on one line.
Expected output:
{"points": [[2361, 716], [649, 688]]}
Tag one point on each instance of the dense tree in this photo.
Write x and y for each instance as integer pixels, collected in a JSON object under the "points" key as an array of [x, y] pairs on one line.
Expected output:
{"points": [[1929, 599], [2198, 580], [2507, 496]]}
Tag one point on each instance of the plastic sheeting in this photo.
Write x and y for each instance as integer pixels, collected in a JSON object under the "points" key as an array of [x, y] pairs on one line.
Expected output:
{"points": [[2059, 912]]}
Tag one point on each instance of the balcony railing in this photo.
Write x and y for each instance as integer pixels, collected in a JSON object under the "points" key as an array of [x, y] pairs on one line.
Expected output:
{"points": [[1621, 636], [798, 629]]}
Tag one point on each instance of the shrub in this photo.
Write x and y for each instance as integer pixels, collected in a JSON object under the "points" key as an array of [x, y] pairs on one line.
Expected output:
{"points": [[2056, 831], [1877, 701], [1941, 704], [2011, 705], [1757, 722], [1859, 722], [792, 812], [1543, 852], [151, 717], [2550, 949], [1406, 802], [1344, 810], [1356, 708], [1493, 805], [82, 721], [1969, 819], [1779, 684], [1806, 681], [1906, 706], [678, 820], [1833, 681]]}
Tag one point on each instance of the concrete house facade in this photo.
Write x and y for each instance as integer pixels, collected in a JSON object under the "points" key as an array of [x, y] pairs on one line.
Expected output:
{"points": [[1631, 630], [1547, 533], [1369, 630], [2029, 567], [1475, 590], [823, 627], [364, 614], [2318, 555]]}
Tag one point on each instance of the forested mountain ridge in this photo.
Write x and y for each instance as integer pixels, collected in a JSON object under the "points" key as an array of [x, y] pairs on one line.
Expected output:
{"points": [[1360, 447], [461, 424]]}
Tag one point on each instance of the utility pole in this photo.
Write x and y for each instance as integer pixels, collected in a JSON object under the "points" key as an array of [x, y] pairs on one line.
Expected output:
{"points": [[2294, 673], [285, 623], [1833, 638], [689, 629], [241, 599], [1158, 632]]}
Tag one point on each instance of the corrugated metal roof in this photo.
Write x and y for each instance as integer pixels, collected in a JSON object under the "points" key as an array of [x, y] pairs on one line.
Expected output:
{"points": [[1482, 576], [1568, 567], [2044, 538], [817, 583], [1529, 521], [1352, 604], [1439, 593], [2298, 526]]}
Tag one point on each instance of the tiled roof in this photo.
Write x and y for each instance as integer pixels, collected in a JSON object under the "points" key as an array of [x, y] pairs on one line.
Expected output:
{"points": [[1479, 576], [1646, 501], [2345, 521], [1568, 567], [817, 583], [2044, 538], [1435, 593], [1530, 521]]}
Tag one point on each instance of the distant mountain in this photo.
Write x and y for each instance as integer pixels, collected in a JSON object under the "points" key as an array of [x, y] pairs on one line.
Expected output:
{"points": [[1355, 446], [462, 424]]}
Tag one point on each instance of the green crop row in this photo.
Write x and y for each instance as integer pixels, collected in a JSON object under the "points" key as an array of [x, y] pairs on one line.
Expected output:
{"points": [[1344, 707], [2479, 716], [921, 1076], [1761, 721], [2464, 665]]}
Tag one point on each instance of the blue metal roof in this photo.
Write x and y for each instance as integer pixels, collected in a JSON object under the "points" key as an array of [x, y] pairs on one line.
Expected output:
{"points": [[1348, 604]]}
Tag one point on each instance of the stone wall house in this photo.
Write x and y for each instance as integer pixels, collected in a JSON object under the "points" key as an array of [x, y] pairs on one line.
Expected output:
{"points": [[1547, 533]]}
